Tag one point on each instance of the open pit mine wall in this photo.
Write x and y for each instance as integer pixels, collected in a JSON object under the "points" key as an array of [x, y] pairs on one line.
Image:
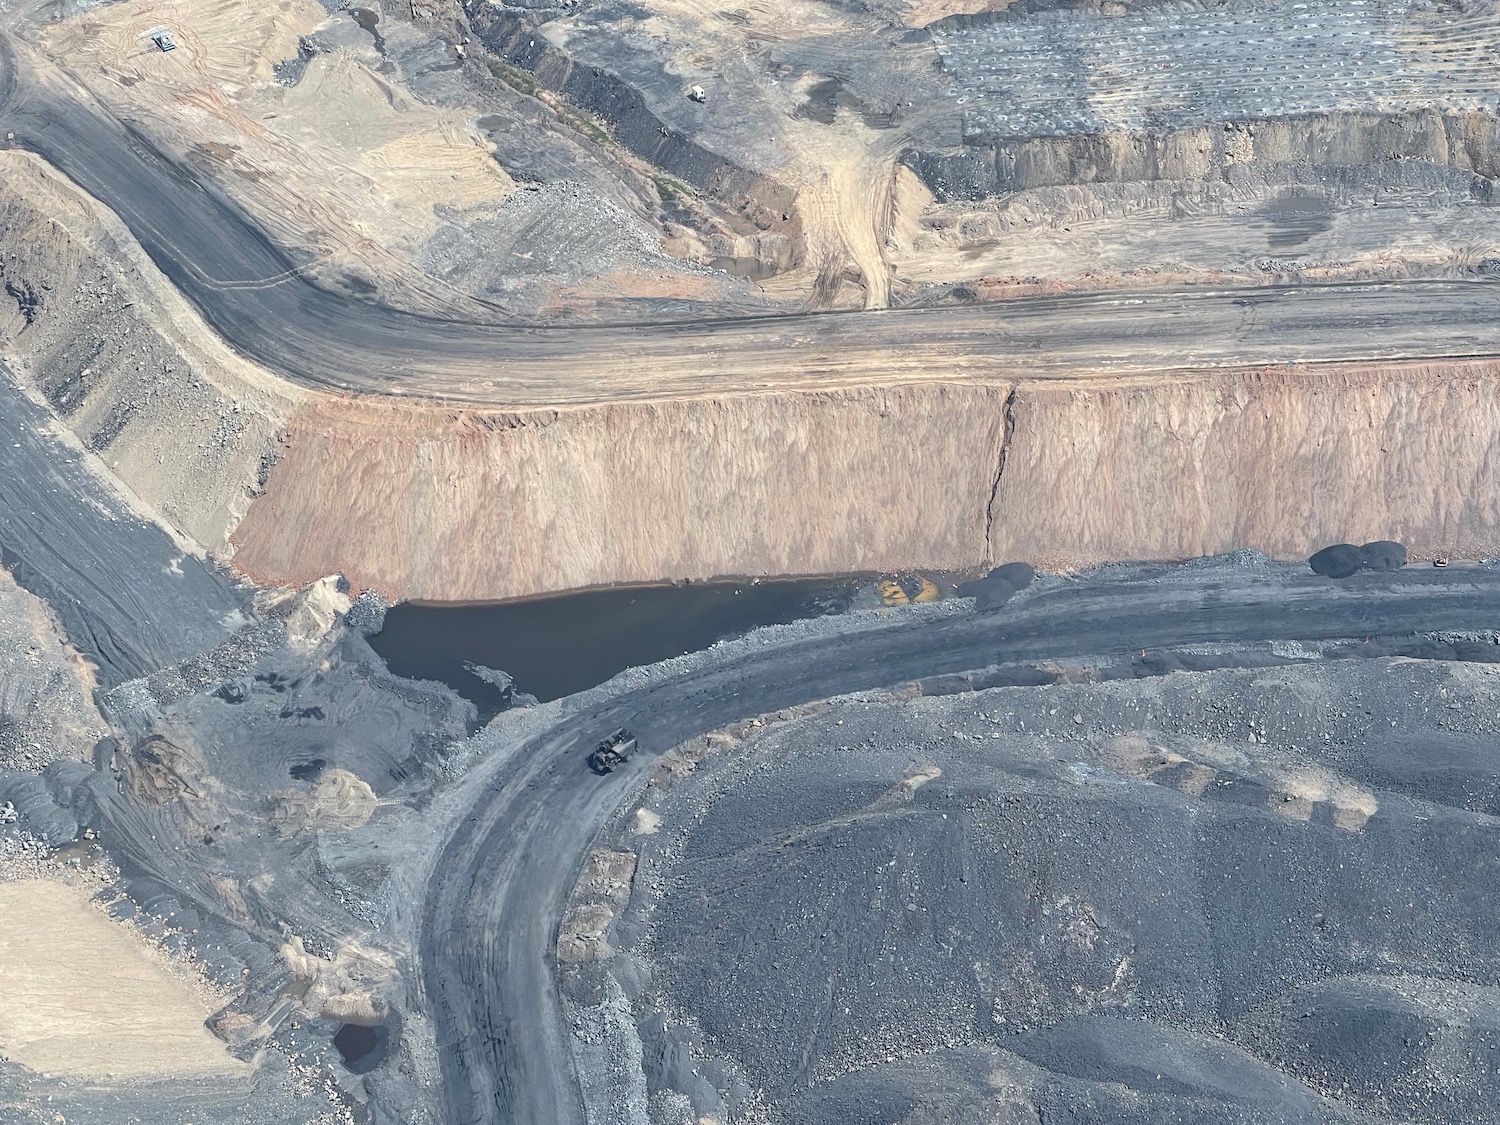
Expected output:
{"points": [[448, 504], [516, 39], [444, 504], [1346, 153], [437, 502]]}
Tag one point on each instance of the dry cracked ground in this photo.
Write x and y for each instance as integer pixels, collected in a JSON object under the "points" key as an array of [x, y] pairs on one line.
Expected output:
{"points": [[1249, 883]]}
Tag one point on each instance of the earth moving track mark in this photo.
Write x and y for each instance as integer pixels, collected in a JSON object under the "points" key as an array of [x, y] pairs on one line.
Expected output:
{"points": [[500, 884]]}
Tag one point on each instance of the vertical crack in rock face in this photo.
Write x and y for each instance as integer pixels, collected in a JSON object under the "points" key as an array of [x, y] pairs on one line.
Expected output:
{"points": [[469, 305], [1004, 450]]}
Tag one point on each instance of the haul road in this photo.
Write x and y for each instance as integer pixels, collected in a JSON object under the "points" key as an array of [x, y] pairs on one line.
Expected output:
{"points": [[255, 295], [500, 883]]}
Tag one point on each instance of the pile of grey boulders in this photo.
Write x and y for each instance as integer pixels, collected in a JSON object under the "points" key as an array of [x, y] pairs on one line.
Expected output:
{"points": [[999, 585], [1343, 560]]}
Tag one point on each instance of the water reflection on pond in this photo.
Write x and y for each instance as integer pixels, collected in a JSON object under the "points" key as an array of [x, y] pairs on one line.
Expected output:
{"points": [[560, 645]]}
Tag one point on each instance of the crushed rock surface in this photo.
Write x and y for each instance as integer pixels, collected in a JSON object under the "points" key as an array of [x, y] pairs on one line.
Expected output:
{"points": [[1201, 897]]}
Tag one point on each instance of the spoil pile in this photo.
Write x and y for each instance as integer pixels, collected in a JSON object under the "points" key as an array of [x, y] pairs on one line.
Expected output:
{"points": [[1125, 902]]}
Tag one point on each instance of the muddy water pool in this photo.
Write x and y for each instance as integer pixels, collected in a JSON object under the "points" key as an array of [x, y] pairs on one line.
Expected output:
{"points": [[557, 646]]}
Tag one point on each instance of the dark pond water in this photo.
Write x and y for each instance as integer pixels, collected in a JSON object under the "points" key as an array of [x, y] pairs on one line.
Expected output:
{"points": [[369, 20], [557, 646], [361, 1048]]}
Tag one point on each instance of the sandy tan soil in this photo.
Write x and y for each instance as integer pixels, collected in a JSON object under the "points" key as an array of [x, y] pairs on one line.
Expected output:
{"points": [[345, 987], [1295, 787], [845, 210], [345, 162], [338, 802], [920, 13], [596, 900], [84, 997], [766, 19], [350, 165]]}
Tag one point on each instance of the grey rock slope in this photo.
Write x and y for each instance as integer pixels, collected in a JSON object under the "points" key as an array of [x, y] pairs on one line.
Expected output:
{"points": [[1247, 896], [126, 595]]}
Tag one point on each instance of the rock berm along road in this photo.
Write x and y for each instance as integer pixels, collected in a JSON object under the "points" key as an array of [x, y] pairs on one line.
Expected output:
{"points": [[252, 293], [501, 883]]}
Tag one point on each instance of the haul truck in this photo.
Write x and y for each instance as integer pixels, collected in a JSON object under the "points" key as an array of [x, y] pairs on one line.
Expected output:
{"points": [[612, 751]]}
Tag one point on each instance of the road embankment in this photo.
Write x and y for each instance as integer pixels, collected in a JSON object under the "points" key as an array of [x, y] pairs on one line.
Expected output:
{"points": [[1066, 431], [1281, 459], [435, 503]]}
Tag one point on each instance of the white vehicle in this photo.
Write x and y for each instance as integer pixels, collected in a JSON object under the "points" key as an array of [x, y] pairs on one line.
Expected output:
{"points": [[162, 37]]}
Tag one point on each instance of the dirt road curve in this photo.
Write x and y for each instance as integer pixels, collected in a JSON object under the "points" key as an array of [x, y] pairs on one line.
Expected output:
{"points": [[252, 293], [500, 885]]}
